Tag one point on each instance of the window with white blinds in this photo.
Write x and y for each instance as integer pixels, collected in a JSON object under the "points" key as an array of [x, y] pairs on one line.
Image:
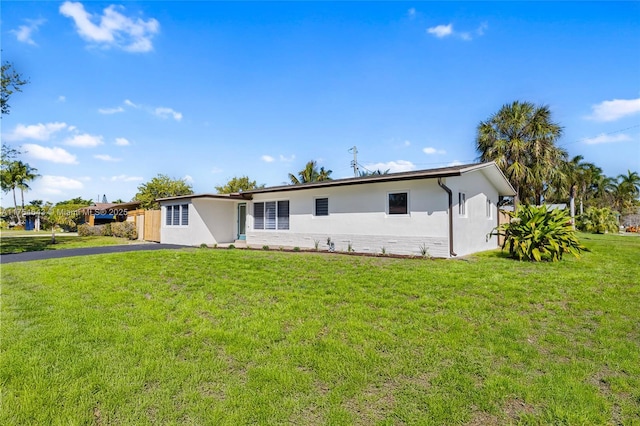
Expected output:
{"points": [[271, 215]]}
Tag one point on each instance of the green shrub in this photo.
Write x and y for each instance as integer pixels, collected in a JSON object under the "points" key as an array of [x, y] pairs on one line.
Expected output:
{"points": [[598, 221], [296, 248], [265, 247], [106, 230], [204, 246], [90, 231], [124, 230], [231, 246], [535, 233]]}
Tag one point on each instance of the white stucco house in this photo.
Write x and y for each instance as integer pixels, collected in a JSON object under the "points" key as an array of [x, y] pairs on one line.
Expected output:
{"points": [[450, 211]]}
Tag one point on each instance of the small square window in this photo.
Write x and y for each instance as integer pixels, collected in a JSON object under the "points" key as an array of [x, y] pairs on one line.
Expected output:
{"points": [[398, 203], [322, 207]]}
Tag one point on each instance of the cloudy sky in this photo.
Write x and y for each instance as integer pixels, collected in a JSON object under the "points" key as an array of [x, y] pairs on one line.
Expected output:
{"points": [[120, 92]]}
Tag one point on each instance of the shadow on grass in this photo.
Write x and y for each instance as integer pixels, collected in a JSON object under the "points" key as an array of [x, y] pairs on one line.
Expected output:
{"points": [[23, 244]]}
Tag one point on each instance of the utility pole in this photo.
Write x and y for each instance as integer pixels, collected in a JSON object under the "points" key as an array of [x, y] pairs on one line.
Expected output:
{"points": [[354, 162]]}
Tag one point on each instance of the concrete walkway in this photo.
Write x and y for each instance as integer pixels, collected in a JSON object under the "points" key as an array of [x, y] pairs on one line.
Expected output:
{"points": [[57, 254]]}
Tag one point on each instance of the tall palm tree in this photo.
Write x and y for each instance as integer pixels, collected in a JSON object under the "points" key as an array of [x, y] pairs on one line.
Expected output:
{"points": [[25, 174], [630, 183], [628, 189], [10, 177], [576, 178], [310, 173], [521, 138]]}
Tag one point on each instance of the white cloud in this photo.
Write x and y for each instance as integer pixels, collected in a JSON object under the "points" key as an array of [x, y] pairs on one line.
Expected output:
{"points": [[122, 142], [455, 163], [216, 170], [84, 140], [126, 178], [441, 31], [40, 132], [430, 151], [411, 12], [407, 143], [114, 29], [62, 98], [24, 32], [188, 179], [106, 157], [55, 155], [163, 112], [614, 110], [392, 166], [58, 184], [287, 159], [131, 104], [110, 110], [267, 159], [604, 138]]}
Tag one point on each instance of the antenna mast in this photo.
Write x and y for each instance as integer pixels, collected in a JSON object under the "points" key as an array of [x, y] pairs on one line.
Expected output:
{"points": [[354, 162]]}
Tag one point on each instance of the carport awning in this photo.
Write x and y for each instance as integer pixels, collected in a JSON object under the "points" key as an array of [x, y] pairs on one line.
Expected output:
{"points": [[104, 216]]}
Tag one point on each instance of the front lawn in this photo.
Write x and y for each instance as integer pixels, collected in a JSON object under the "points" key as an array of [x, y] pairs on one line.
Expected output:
{"points": [[234, 337], [23, 243]]}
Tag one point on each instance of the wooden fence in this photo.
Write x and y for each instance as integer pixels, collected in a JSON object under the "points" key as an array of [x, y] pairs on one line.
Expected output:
{"points": [[148, 224]]}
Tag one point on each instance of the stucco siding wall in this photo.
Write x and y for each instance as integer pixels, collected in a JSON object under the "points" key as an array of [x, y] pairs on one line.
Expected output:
{"points": [[472, 229], [358, 215], [210, 222]]}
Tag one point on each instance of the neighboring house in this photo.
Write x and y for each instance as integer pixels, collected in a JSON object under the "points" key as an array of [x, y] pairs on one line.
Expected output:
{"points": [[449, 211], [101, 213]]}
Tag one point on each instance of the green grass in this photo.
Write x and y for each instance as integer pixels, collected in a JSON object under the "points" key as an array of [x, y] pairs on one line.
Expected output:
{"points": [[19, 244], [265, 337]]}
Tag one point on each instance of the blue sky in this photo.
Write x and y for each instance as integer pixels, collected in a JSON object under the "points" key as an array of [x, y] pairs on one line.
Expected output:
{"points": [[120, 92]]}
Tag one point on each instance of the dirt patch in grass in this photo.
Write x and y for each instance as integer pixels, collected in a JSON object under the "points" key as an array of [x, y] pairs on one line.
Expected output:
{"points": [[374, 403], [515, 408]]}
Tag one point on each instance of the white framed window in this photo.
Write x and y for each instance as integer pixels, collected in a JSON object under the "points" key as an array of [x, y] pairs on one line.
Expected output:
{"points": [[321, 206], [177, 215], [398, 203], [271, 215], [462, 204]]}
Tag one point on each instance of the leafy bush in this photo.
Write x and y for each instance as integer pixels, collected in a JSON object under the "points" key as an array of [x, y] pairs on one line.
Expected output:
{"points": [[106, 230], [598, 221], [90, 231], [535, 233], [124, 230]]}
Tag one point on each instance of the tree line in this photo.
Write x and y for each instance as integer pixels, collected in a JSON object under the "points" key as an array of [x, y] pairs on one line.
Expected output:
{"points": [[521, 138]]}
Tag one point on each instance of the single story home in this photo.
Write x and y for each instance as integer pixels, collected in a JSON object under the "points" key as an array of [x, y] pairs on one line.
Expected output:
{"points": [[446, 212]]}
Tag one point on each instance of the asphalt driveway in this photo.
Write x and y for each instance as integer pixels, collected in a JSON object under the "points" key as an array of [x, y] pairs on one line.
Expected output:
{"points": [[56, 254]]}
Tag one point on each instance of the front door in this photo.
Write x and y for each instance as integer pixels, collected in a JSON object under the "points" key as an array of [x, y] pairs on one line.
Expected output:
{"points": [[242, 221]]}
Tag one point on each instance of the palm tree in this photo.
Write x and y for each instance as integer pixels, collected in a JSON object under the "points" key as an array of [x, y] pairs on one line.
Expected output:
{"points": [[25, 174], [576, 178], [630, 183], [310, 173], [521, 138], [10, 177]]}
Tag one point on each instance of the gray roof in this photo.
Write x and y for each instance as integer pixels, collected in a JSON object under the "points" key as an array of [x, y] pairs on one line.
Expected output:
{"points": [[490, 170]]}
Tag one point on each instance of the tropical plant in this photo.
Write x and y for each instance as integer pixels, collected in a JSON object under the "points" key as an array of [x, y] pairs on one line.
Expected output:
{"points": [[535, 233], [627, 191], [310, 173], [598, 220], [521, 138]]}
